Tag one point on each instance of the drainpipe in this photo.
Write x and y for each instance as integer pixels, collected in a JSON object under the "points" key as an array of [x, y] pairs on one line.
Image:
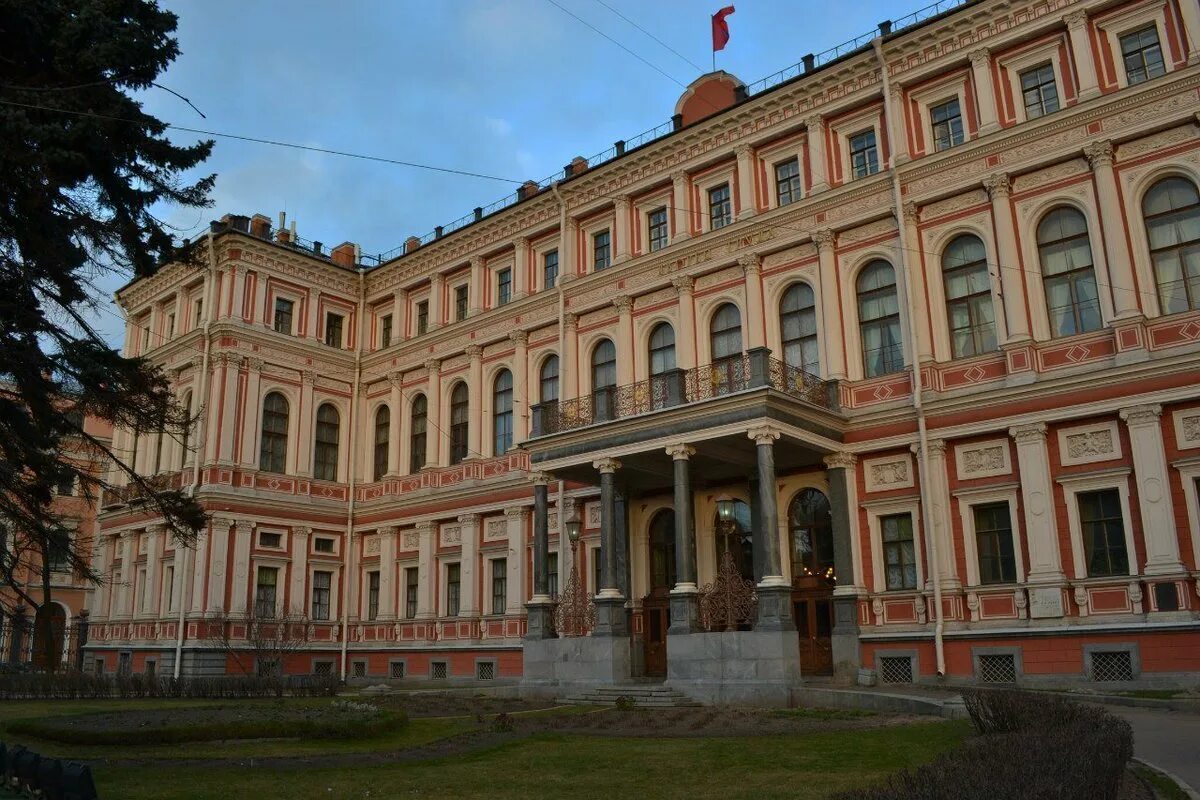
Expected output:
{"points": [[931, 542], [189, 556], [562, 355], [349, 584]]}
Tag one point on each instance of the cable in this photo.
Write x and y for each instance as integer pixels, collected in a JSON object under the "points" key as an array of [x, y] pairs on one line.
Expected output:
{"points": [[614, 41], [652, 36], [272, 142]]}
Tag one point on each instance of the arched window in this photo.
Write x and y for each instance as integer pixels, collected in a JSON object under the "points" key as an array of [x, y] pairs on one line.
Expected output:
{"points": [[1172, 212], [726, 330], [662, 552], [798, 328], [502, 413], [662, 349], [548, 381], [460, 411], [383, 433], [604, 379], [186, 437], [272, 454], [1067, 273], [325, 453], [811, 524], [416, 437], [879, 320], [969, 306]]}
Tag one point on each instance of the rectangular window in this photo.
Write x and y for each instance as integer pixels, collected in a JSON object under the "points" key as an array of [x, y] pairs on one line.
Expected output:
{"points": [[270, 540], [59, 551], [1103, 527], [503, 287], [385, 330], [946, 119], [66, 485], [453, 573], [1039, 91], [410, 592], [264, 592], [322, 584], [601, 251], [899, 551], [170, 325], [461, 298], [994, 543], [787, 182], [864, 157], [552, 574], [373, 595], [422, 317], [323, 545], [198, 314], [499, 585], [169, 587], [1142, 55], [659, 237], [550, 269], [720, 207], [283, 315]]}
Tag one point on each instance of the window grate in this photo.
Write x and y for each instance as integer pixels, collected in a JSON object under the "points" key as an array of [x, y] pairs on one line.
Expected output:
{"points": [[1112, 665], [998, 668], [895, 669], [360, 669], [323, 668], [485, 671], [397, 669], [440, 671]]}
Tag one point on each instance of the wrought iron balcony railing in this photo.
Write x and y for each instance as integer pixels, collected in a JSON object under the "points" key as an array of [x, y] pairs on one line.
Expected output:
{"points": [[753, 370]]}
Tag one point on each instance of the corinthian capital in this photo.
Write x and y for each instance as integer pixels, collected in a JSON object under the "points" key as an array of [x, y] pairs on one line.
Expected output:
{"points": [[980, 58], [750, 263], [683, 284], [623, 303], [474, 351], [825, 239], [519, 338], [1099, 154], [997, 185]]}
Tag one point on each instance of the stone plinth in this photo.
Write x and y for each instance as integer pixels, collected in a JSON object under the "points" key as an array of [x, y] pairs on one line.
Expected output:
{"points": [[556, 667], [757, 668]]}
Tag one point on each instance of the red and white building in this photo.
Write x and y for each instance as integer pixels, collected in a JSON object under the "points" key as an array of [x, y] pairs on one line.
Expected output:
{"points": [[949, 281]]}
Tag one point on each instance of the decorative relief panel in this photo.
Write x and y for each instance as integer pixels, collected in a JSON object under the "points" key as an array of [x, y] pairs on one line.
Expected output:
{"points": [[371, 546], [1087, 444], [591, 519], [1067, 169], [1187, 428], [410, 540], [496, 529], [1156, 142], [792, 255], [450, 535], [885, 474], [954, 204], [982, 459]]}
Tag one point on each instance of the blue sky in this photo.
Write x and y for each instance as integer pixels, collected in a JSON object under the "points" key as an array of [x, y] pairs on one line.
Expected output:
{"points": [[512, 88]]}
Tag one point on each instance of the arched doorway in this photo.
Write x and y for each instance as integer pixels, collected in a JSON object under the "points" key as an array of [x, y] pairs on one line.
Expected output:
{"points": [[811, 526], [656, 605], [49, 623]]}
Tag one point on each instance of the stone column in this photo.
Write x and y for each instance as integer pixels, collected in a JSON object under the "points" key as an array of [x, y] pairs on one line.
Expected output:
{"points": [[128, 575], [1037, 499], [219, 545], [623, 247], [478, 285], [387, 573], [200, 569], [1116, 248], [568, 379], [568, 252], [398, 418], [540, 607], [1081, 54], [179, 585], [985, 96], [515, 523], [1016, 315], [229, 396], [426, 570], [477, 393], [1154, 493], [910, 239], [298, 579], [843, 503], [624, 339], [251, 412], [154, 549], [1190, 12], [610, 603], [685, 342], [833, 360], [437, 302], [520, 268], [520, 373], [240, 571], [681, 193], [685, 617], [436, 441], [897, 126], [938, 515], [468, 605], [753, 323], [816, 153], [746, 206], [304, 442], [399, 316], [774, 593]]}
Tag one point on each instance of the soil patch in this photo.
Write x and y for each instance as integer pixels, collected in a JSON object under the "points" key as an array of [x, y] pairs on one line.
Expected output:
{"points": [[710, 722], [424, 706]]}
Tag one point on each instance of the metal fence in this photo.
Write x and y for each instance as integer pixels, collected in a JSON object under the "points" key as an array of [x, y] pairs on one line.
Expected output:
{"points": [[24, 638]]}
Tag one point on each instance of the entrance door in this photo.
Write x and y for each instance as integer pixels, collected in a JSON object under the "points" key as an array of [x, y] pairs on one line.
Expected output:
{"points": [[656, 605], [811, 527], [50, 623], [814, 621]]}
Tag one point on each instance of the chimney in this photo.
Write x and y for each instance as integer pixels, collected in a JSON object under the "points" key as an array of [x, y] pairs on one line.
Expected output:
{"points": [[343, 254], [579, 165], [810, 62], [676, 121], [527, 190], [412, 243], [238, 222], [260, 226], [438, 231], [619, 144], [885, 27]]}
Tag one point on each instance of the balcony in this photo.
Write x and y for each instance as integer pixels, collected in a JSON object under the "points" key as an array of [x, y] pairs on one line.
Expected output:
{"points": [[679, 387]]}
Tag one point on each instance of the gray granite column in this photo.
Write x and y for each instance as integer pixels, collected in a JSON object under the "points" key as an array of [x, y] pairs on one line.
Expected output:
{"points": [[610, 602], [540, 607], [844, 641], [685, 616], [774, 593]]}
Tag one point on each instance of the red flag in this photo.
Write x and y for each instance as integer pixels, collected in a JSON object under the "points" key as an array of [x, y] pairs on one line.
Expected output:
{"points": [[720, 28]]}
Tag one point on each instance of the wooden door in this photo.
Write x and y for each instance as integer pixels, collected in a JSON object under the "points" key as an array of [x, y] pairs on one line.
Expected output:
{"points": [[814, 624], [656, 611]]}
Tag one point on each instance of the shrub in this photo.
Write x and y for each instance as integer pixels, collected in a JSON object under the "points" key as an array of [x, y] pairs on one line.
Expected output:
{"points": [[503, 723], [1032, 746], [82, 686], [625, 703]]}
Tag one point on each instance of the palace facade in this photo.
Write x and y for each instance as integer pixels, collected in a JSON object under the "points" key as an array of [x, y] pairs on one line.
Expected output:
{"points": [[892, 360]]}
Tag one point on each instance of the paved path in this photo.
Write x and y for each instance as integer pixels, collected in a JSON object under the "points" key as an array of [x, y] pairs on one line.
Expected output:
{"points": [[1167, 739]]}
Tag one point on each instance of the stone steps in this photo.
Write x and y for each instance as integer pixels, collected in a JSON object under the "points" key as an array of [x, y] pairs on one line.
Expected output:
{"points": [[642, 696]]}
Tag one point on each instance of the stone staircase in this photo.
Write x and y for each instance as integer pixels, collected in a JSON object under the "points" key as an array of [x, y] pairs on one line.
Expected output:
{"points": [[643, 696]]}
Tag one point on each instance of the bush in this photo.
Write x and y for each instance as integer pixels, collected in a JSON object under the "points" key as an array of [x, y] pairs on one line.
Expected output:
{"points": [[1032, 746], [82, 686]]}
